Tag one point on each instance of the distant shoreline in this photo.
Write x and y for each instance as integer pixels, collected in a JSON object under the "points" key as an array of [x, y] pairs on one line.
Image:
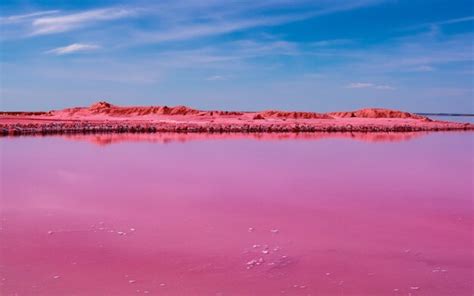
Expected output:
{"points": [[446, 114]]}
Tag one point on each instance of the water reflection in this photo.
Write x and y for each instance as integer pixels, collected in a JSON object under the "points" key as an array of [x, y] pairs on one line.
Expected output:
{"points": [[103, 139]]}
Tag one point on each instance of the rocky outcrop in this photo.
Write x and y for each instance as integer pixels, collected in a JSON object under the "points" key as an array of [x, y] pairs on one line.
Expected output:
{"points": [[104, 108], [294, 115], [20, 113], [377, 113]]}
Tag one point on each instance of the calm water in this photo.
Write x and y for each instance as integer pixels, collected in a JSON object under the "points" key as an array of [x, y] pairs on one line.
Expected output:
{"points": [[469, 119], [193, 215]]}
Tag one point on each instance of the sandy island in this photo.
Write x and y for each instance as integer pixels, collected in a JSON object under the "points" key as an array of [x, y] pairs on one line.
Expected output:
{"points": [[103, 117]]}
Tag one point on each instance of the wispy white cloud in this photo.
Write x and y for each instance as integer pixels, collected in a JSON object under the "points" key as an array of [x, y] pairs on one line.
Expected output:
{"points": [[183, 23], [68, 22], [193, 31], [73, 48], [359, 85], [419, 52], [444, 22], [228, 55], [456, 20], [216, 78], [13, 19], [331, 42]]}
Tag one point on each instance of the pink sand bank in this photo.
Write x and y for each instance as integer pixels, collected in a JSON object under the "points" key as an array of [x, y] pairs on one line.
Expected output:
{"points": [[104, 117]]}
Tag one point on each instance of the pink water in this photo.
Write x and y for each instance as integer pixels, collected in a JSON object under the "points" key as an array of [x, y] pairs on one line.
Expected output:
{"points": [[328, 216]]}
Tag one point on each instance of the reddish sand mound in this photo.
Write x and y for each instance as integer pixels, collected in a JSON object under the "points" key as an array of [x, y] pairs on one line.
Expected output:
{"points": [[377, 113], [22, 113], [104, 108], [224, 113], [101, 106], [294, 115]]}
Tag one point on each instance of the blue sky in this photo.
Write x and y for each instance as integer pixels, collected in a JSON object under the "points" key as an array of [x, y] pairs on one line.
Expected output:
{"points": [[318, 55]]}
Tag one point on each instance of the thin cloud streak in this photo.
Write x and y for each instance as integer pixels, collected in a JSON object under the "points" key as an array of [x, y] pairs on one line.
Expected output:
{"points": [[73, 48], [216, 78], [64, 23], [359, 85], [440, 23], [13, 19], [362, 85], [194, 28], [217, 28], [456, 20]]}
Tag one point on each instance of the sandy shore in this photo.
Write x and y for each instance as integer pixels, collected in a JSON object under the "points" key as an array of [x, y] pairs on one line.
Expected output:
{"points": [[106, 118]]}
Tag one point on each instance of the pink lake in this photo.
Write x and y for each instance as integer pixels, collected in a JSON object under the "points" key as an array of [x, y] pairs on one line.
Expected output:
{"points": [[210, 215]]}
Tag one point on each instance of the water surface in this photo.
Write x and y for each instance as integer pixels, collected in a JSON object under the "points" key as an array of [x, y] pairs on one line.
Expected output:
{"points": [[463, 119], [237, 215]]}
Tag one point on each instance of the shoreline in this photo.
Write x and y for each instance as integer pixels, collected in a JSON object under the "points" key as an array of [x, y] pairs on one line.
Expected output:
{"points": [[103, 117], [48, 127]]}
